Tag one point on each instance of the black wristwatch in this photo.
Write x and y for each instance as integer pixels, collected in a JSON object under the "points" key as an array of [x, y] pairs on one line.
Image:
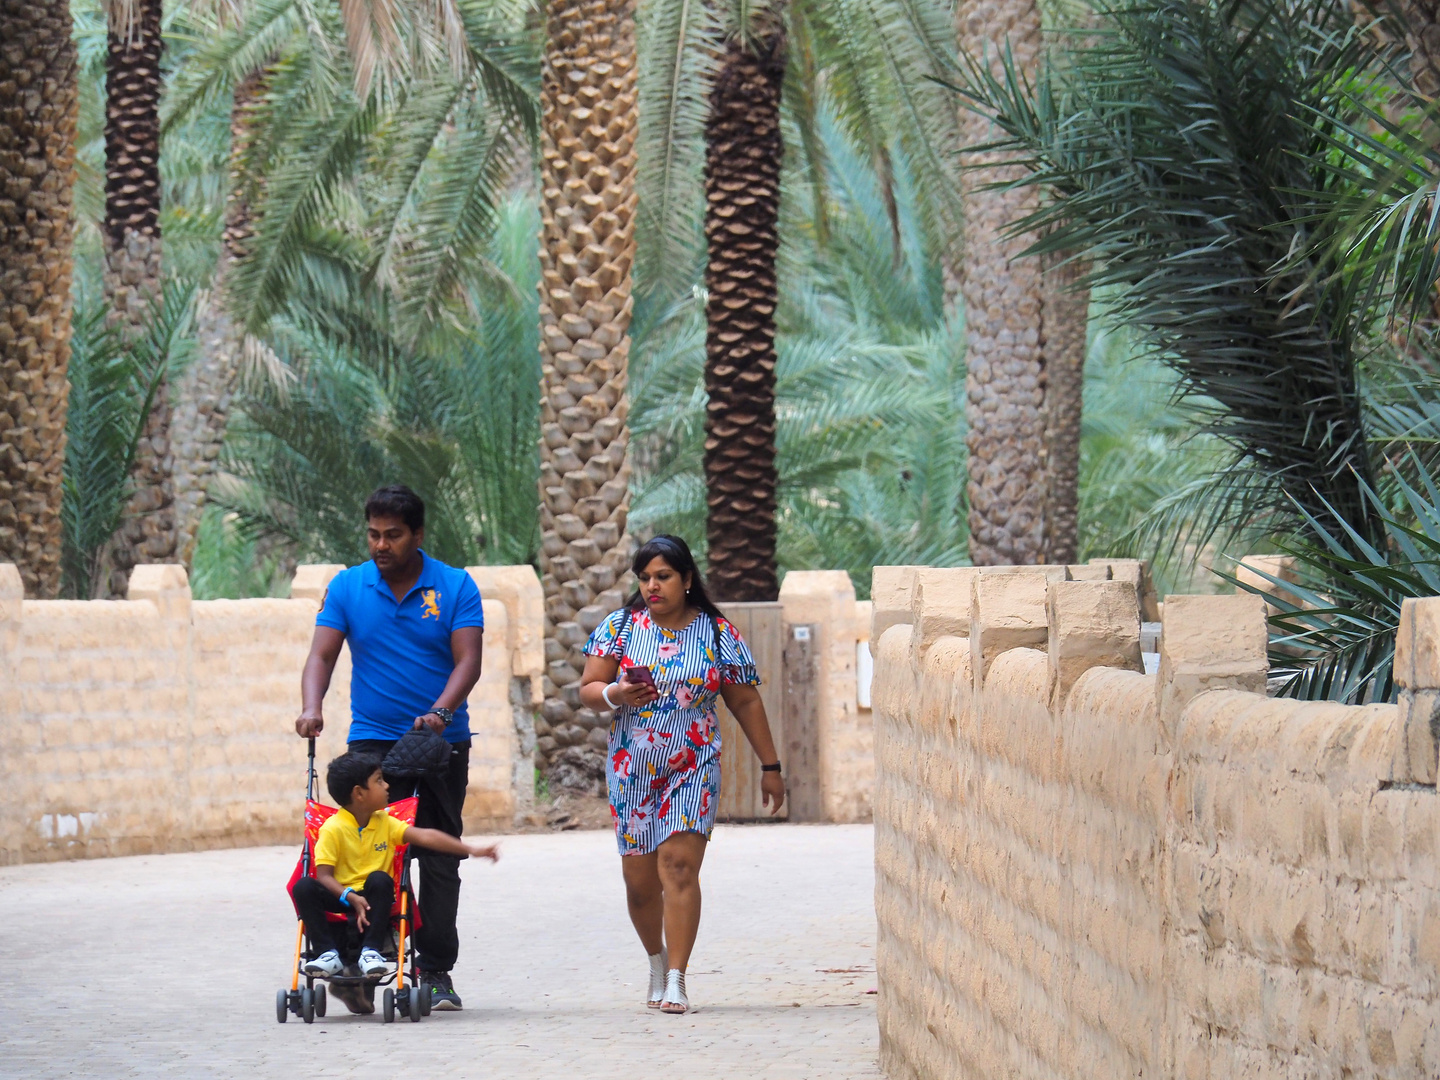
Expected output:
{"points": [[770, 768], [445, 714]]}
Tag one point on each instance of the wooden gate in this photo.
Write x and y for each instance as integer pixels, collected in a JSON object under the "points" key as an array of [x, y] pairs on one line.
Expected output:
{"points": [[762, 625]]}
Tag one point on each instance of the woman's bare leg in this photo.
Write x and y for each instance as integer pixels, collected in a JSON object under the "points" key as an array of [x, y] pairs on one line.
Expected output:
{"points": [[680, 857], [644, 899]]}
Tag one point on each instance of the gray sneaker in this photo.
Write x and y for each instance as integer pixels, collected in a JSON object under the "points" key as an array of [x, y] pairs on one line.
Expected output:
{"points": [[442, 991]]}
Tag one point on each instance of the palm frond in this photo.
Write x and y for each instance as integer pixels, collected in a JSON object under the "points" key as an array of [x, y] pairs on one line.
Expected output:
{"points": [[1172, 154], [680, 43], [113, 383], [1333, 633], [451, 409]]}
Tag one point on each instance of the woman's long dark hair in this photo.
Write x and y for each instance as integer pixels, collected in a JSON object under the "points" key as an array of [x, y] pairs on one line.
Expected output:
{"points": [[677, 553]]}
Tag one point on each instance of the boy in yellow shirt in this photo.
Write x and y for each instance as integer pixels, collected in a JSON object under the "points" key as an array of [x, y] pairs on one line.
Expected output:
{"points": [[353, 855]]}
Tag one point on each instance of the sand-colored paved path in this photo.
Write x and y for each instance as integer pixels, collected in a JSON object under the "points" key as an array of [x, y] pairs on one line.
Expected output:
{"points": [[167, 966]]}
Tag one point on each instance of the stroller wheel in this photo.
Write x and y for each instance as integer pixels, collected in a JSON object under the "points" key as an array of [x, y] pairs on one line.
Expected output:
{"points": [[307, 1005], [425, 995], [388, 1008], [320, 995], [282, 1005], [414, 1003]]}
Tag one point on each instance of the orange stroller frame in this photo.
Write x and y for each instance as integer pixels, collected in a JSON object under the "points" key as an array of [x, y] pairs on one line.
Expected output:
{"points": [[409, 995]]}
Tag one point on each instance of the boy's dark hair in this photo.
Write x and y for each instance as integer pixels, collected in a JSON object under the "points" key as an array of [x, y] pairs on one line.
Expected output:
{"points": [[397, 501], [347, 772]]}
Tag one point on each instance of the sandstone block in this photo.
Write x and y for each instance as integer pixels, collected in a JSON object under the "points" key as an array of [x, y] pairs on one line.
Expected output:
{"points": [[166, 586], [890, 590], [1417, 644], [1137, 572], [519, 589], [1007, 611], [939, 606], [312, 579], [1257, 571], [1209, 643], [1090, 624], [1049, 571], [813, 596], [12, 593]]}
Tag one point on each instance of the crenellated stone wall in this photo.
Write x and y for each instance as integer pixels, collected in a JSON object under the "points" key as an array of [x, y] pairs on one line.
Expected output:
{"points": [[1085, 871], [160, 723]]}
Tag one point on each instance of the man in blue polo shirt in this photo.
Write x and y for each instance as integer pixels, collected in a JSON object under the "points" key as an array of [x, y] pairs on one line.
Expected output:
{"points": [[415, 628]]}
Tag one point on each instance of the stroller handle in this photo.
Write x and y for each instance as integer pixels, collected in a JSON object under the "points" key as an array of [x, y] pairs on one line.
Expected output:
{"points": [[310, 770]]}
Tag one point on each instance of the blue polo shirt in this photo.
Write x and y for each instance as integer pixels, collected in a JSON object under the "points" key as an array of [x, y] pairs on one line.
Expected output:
{"points": [[400, 658]]}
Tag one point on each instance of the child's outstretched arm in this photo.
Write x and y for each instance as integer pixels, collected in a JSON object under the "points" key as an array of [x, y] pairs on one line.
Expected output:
{"points": [[443, 842]]}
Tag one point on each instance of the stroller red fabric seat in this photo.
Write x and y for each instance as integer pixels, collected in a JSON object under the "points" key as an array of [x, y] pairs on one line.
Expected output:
{"points": [[316, 814]]}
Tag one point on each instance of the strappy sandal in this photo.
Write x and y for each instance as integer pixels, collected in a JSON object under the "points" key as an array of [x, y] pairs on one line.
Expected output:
{"points": [[657, 981], [675, 1001]]}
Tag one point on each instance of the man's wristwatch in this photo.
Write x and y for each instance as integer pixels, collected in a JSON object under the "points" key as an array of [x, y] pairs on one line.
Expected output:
{"points": [[445, 714], [770, 768]]}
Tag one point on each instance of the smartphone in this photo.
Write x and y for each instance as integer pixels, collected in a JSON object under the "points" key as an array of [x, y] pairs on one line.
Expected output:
{"points": [[640, 674]]}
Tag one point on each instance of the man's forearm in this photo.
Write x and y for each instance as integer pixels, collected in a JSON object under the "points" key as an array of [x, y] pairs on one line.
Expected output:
{"points": [[315, 681], [457, 688]]}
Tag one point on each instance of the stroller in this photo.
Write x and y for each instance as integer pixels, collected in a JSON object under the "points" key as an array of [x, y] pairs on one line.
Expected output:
{"points": [[408, 995]]}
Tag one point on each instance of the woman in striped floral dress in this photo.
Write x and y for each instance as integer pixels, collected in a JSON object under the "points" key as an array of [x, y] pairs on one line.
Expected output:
{"points": [[663, 770]]}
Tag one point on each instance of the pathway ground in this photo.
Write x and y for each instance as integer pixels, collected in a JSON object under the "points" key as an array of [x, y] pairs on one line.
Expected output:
{"points": [[167, 966]]}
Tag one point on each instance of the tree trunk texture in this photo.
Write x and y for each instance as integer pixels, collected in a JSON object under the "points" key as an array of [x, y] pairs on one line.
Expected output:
{"points": [[38, 111], [1065, 311], [133, 283], [1005, 378], [203, 395], [588, 129], [1422, 36], [742, 185]]}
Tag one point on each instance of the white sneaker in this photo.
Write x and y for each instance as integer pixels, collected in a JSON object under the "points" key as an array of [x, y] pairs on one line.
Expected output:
{"points": [[372, 963], [675, 1000], [657, 981], [326, 964]]}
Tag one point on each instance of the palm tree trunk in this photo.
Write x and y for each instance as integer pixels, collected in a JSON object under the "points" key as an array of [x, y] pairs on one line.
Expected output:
{"points": [[742, 185], [588, 128], [1005, 378], [203, 395], [1422, 36], [38, 111], [133, 284], [1065, 309]]}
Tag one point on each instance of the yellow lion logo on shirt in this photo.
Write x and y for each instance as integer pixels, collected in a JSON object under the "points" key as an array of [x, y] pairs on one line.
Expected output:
{"points": [[430, 604]]}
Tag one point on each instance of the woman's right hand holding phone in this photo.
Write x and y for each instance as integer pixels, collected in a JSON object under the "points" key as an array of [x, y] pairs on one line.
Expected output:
{"points": [[631, 691]]}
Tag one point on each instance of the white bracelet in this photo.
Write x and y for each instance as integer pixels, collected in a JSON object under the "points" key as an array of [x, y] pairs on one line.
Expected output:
{"points": [[605, 693]]}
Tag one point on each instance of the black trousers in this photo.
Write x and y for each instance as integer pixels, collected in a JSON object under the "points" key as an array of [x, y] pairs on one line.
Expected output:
{"points": [[313, 900], [442, 802]]}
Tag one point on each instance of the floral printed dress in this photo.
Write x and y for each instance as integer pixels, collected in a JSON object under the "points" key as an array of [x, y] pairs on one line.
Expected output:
{"points": [[663, 772]]}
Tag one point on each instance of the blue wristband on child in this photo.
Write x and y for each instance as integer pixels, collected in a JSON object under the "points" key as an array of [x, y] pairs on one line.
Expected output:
{"points": [[344, 893]]}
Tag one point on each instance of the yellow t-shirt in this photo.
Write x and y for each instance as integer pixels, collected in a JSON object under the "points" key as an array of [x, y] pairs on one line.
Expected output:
{"points": [[356, 853]]}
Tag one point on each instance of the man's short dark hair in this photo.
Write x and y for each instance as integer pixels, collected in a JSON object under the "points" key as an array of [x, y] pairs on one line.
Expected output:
{"points": [[397, 501], [347, 772]]}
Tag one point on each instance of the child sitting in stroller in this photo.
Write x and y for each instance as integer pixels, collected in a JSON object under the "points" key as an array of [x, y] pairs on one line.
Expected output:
{"points": [[353, 854]]}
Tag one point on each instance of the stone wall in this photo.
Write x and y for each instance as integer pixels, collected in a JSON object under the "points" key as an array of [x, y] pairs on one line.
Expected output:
{"points": [[1086, 871], [159, 723], [825, 600]]}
